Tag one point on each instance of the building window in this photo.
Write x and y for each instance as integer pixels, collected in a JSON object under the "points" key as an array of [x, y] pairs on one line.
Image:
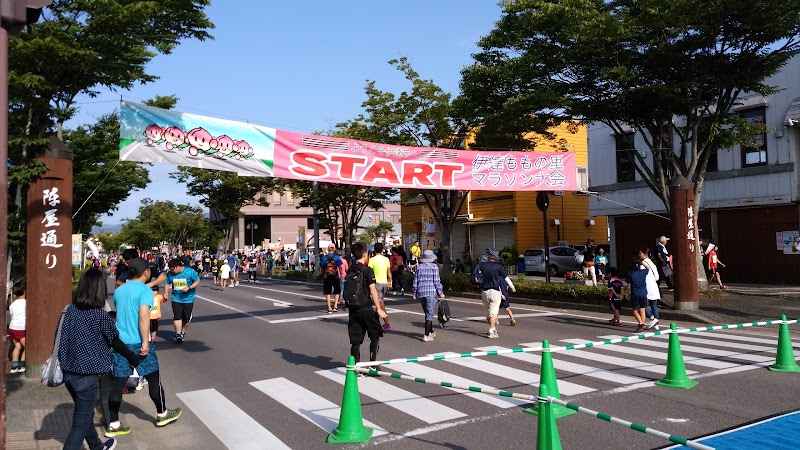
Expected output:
{"points": [[374, 219], [756, 153], [583, 178], [713, 160], [276, 198], [289, 199], [394, 218], [626, 164]]}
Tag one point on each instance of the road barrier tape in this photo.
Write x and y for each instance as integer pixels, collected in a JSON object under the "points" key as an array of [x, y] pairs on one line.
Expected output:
{"points": [[631, 425], [575, 346], [536, 398]]}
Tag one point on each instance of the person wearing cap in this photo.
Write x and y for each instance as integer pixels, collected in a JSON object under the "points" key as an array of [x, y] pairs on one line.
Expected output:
{"points": [[181, 283], [330, 285], [133, 302], [493, 275], [122, 268], [663, 262], [427, 288]]}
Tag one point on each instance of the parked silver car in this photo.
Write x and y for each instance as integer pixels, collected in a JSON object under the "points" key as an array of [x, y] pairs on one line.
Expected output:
{"points": [[562, 259]]}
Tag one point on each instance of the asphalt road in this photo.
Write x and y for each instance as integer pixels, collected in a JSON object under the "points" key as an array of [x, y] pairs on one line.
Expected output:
{"points": [[259, 370]]}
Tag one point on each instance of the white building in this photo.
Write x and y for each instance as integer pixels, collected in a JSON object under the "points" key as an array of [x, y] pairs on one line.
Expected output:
{"points": [[750, 195]]}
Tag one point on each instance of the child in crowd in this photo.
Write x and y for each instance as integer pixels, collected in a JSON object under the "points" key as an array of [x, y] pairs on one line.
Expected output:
{"points": [[521, 269], [155, 312], [614, 295], [215, 270], [713, 266], [637, 287], [16, 328], [600, 263], [504, 288], [224, 274]]}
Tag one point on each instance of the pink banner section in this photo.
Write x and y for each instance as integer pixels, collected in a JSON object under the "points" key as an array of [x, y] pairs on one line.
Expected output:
{"points": [[328, 159]]}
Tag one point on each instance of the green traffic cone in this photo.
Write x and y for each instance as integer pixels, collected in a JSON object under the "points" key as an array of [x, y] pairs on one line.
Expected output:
{"points": [[784, 359], [351, 427], [676, 370], [547, 432], [548, 377]]}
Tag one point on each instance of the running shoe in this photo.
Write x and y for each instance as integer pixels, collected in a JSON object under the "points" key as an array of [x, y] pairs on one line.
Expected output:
{"points": [[640, 328], [171, 416], [110, 444], [386, 327], [652, 323], [118, 431], [724, 288], [179, 339], [513, 323], [427, 338]]}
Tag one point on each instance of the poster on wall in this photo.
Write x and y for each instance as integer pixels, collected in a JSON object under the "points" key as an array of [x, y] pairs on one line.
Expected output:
{"points": [[430, 233], [779, 241], [791, 242]]}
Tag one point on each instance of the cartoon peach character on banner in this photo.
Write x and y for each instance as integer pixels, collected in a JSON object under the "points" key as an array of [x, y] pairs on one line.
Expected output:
{"points": [[200, 140], [154, 134], [224, 146], [243, 149], [175, 138]]}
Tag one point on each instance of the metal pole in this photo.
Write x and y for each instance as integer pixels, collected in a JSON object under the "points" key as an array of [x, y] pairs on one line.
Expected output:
{"points": [[317, 247], [546, 248], [3, 215]]}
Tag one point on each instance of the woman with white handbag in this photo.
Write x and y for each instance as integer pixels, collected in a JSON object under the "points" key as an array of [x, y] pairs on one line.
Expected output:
{"points": [[86, 336]]}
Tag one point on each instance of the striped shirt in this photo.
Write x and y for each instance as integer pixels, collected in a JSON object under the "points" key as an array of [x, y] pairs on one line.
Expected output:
{"points": [[86, 337], [427, 282]]}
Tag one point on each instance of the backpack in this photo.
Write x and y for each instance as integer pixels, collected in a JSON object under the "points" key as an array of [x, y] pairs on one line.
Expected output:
{"points": [[579, 258], [355, 292], [330, 266], [443, 313], [477, 276]]}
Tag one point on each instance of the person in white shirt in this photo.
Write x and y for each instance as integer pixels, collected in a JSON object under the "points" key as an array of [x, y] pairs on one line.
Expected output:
{"points": [[16, 328], [651, 281]]}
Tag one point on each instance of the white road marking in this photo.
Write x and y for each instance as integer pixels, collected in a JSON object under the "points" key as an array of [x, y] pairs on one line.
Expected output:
{"points": [[279, 303], [418, 370], [751, 339], [622, 348], [701, 350], [317, 410], [303, 319], [405, 401], [235, 428], [622, 362], [521, 376], [580, 369], [518, 315], [245, 313], [264, 319], [733, 345]]}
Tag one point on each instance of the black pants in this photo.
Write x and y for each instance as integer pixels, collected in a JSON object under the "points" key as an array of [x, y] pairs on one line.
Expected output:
{"points": [[156, 394], [397, 280]]}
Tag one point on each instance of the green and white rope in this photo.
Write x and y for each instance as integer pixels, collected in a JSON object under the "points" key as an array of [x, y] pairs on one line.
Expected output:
{"points": [[446, 384], [536, 398], [631, 425], [419, 359]]}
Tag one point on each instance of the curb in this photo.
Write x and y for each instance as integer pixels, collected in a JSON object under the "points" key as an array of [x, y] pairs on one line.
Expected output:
{"points": [[664, 313]]}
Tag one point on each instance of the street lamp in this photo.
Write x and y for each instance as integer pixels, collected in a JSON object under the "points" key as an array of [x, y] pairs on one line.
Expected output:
{"points": [[252, 226]]}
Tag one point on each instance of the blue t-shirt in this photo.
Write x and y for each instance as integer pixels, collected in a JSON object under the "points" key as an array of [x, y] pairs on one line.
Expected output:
{"points": [[636, 278], [182, 279], [232, 262], [127, 300]]}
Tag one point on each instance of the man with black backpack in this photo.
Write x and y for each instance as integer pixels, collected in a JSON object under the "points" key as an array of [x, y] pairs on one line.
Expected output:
{"points": [[330, 286], [361, 298]]}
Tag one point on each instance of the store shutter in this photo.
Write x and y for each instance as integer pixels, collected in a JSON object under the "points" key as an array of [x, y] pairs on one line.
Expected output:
{"points": [[457, 240], [503, 235], [482, 238]]}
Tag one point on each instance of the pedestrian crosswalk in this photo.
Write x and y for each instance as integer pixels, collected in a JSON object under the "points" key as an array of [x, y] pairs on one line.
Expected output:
{"points": [[632, 365]]}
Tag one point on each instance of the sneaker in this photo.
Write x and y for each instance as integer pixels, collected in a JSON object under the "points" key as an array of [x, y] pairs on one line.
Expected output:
{"points": [[386, 327], [179, 339], [110, 444], [427, 338], [330, 311], [433, 334], [14, 367], [140, 385], [652, 323], [171, 416], [658, 328], [492, 334], [724, 288], [237, 283], [361, 375], [402, 292], [640, 328], [513, 323], [617, 323], [118, 431], [183, 337]]}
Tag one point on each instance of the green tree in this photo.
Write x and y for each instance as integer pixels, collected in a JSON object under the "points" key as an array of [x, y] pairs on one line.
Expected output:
{"points": [[225, 193], [166, 223], [77, 48], [100, 180], [379, 231], [665, 69], [424, 116]]}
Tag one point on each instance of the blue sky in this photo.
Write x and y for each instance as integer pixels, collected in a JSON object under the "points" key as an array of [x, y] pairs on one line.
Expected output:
{"points": [[301, 66]]}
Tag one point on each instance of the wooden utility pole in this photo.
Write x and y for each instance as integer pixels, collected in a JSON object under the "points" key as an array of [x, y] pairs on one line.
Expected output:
{"points": [[683, 246]]}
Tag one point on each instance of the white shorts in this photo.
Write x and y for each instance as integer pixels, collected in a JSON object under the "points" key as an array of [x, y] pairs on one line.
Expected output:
{"points": [[491, 301]]}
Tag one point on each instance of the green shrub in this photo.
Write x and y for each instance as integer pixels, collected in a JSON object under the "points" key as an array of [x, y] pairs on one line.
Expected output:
{"points": [[460, 282], [299, 275]]}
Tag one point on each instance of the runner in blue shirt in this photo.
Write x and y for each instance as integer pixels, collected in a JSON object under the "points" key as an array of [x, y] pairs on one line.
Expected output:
{"points": [[183, 281]]}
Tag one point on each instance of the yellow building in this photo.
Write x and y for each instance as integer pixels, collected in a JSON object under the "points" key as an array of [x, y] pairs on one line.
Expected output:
{"points": [[501, 219]]}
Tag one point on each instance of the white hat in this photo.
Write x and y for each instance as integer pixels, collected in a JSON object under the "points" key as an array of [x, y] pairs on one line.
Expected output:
{"points": [[428, 256]]}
